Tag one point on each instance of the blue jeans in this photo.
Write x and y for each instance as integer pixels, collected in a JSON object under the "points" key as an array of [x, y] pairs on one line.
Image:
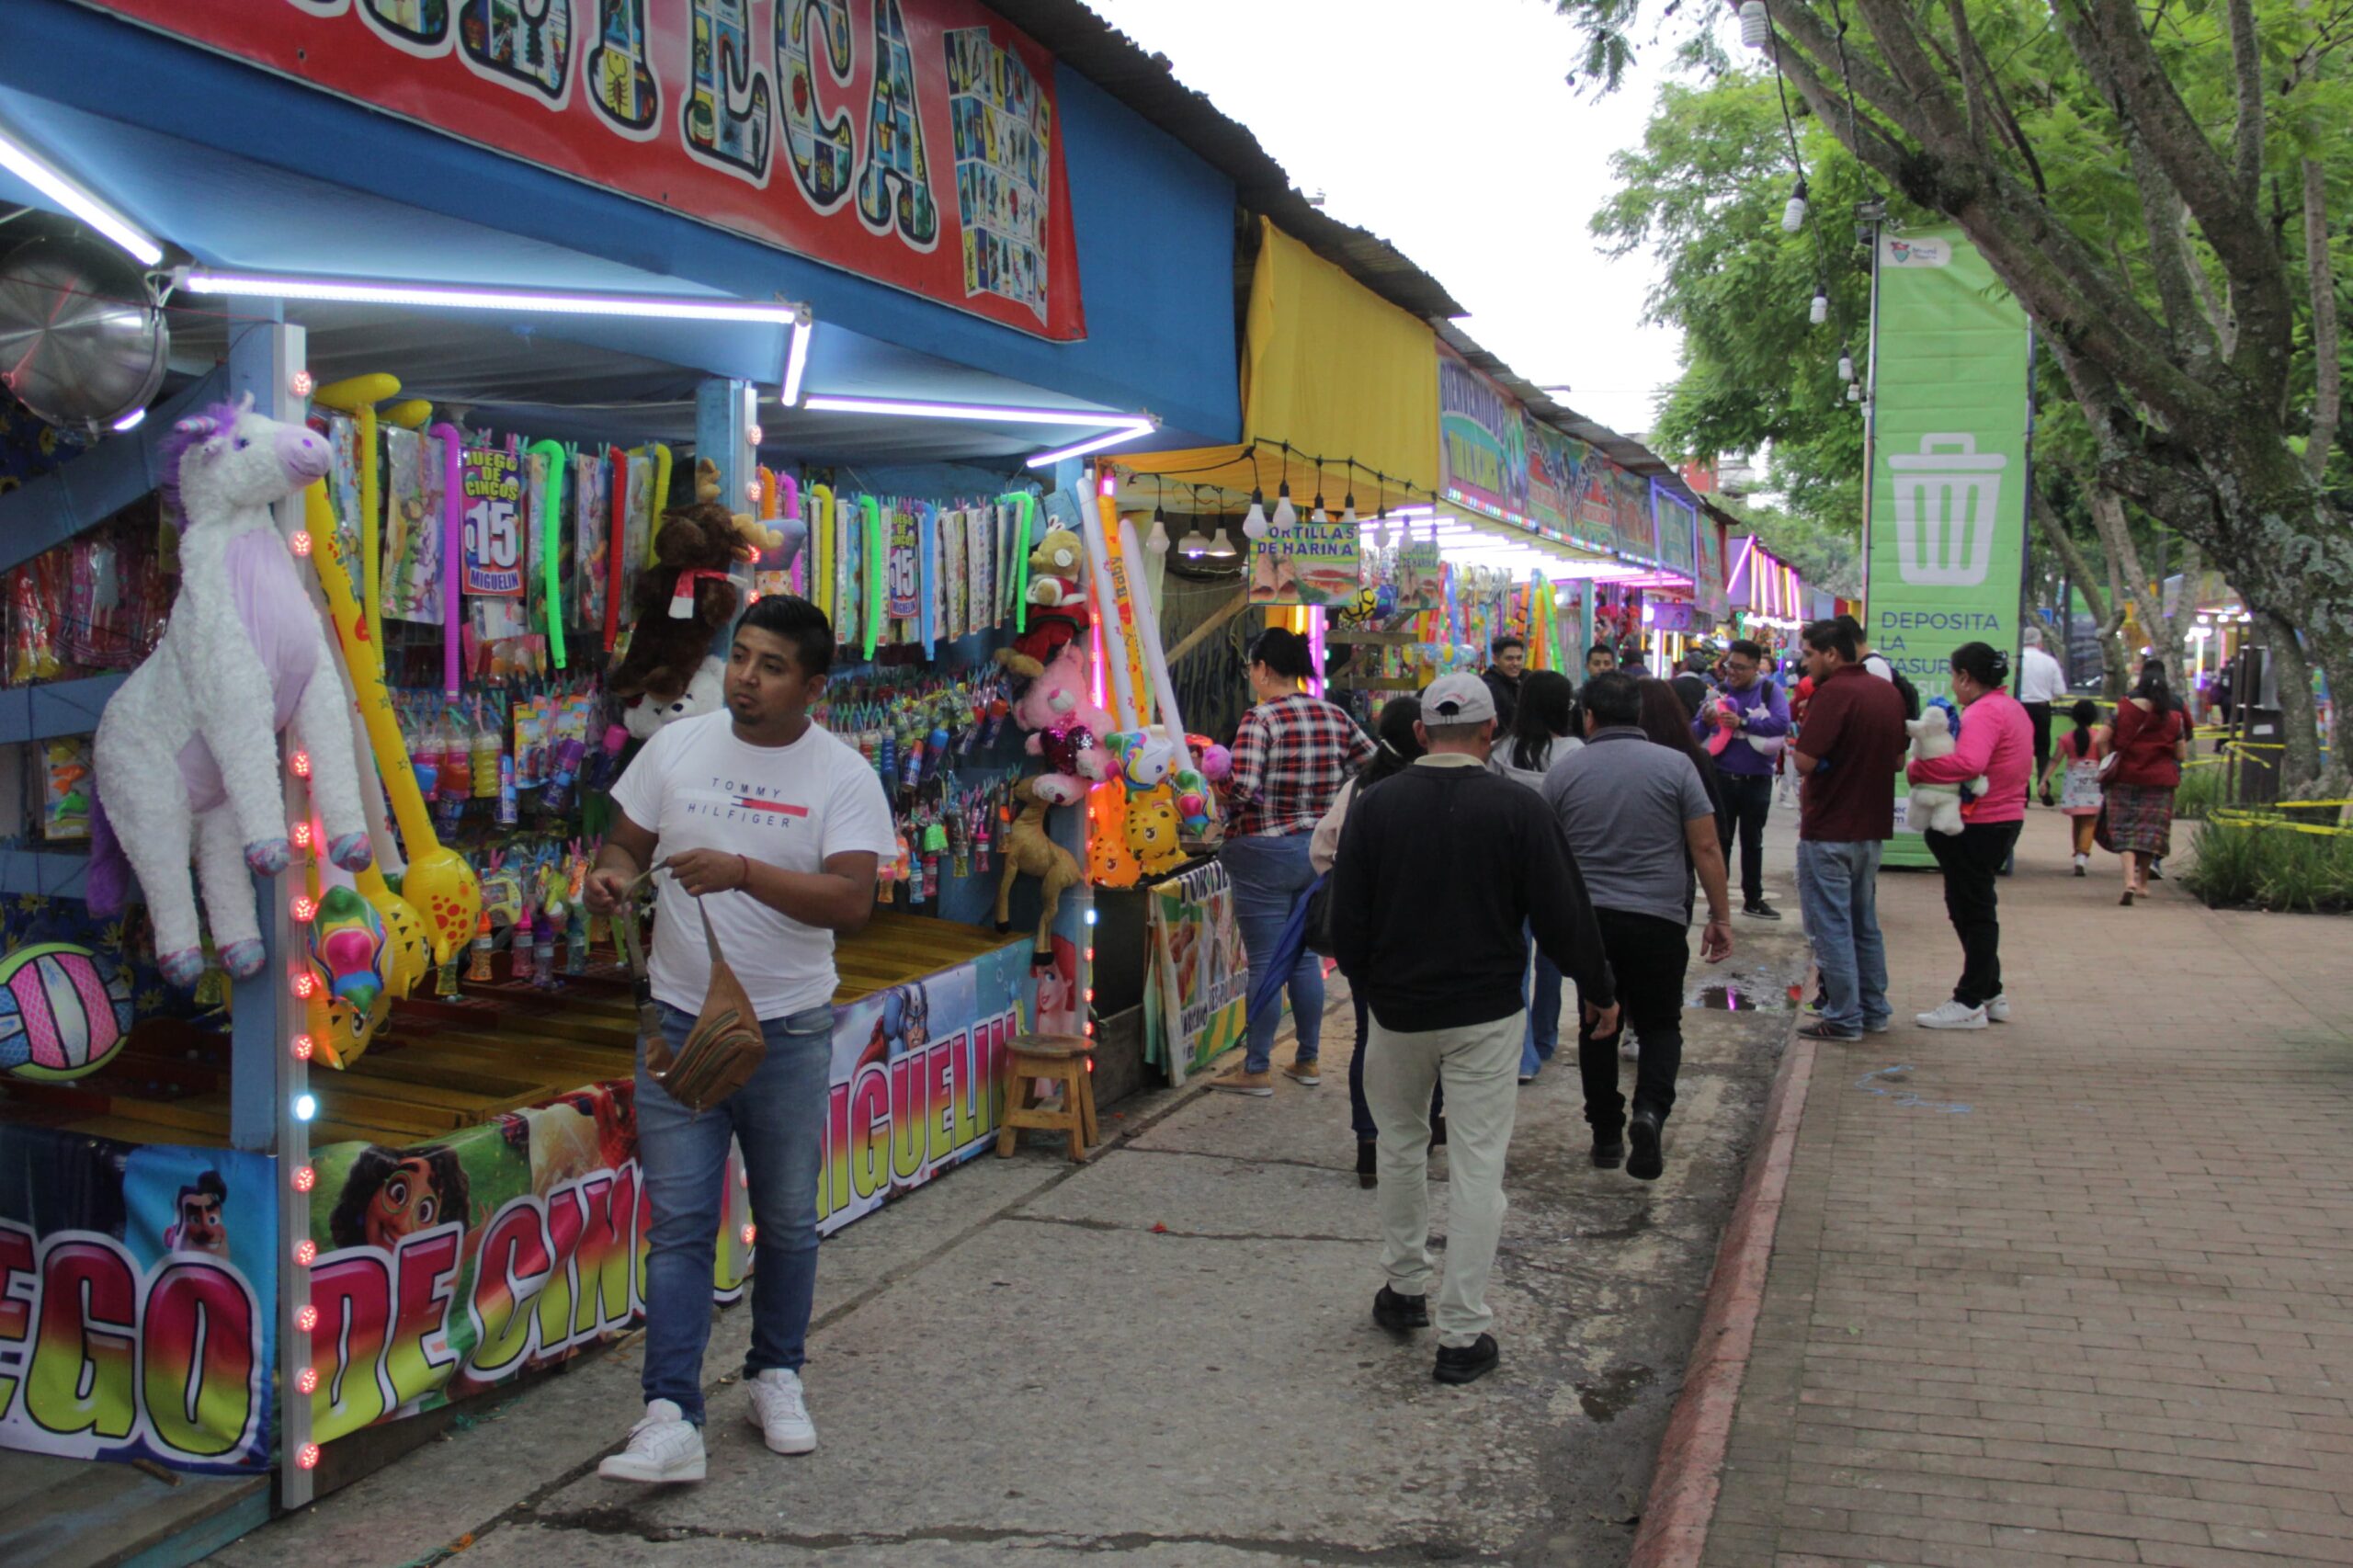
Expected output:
{"points": [[1543, 1034], [1838, 893], [1270, 876], [779, 1117]]}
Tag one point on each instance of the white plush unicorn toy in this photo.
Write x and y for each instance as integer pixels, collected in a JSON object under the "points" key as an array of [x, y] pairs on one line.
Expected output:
{"points": [[187, 753]]}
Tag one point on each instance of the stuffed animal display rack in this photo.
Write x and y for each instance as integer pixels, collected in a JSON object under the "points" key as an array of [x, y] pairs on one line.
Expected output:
{"points": [[186, 756]]}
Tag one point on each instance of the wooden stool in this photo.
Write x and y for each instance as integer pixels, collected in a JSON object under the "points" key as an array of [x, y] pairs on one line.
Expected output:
{"points": [[1069, 1059]]}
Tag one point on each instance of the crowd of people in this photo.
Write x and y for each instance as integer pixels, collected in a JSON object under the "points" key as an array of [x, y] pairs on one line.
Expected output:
{"points": [[1502, 832], [1494, 837]]}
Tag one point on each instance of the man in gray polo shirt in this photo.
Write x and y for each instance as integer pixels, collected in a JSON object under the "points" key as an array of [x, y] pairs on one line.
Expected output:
{"points": [[1637, 821]]}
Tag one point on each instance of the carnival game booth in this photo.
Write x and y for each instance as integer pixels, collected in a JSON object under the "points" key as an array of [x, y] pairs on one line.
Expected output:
{"points": [[269, 1191]]}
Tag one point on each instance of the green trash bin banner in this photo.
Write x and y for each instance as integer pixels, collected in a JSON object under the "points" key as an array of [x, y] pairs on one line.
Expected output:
{"points": [[1945, 525]]}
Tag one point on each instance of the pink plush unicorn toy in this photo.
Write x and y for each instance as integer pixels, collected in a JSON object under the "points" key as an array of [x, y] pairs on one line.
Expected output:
{"points": [[187, 753]]}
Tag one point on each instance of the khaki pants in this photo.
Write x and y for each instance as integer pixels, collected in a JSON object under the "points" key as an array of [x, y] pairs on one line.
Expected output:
{"points": [[1479, 1066]]}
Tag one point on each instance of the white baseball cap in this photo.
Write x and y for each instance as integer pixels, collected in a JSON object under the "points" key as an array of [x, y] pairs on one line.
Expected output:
{"points": [[1456, 699]]}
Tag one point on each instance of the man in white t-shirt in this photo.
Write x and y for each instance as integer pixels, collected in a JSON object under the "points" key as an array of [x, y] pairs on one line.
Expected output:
{"points": [[2042, 683], [776, 827]]}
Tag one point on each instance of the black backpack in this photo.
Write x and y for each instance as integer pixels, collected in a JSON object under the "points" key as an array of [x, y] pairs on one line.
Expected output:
{"points": [[1904, 689]]}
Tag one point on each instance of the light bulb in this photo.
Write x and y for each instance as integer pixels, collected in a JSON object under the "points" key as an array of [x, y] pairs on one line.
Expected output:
{"points": [[306, 1318], [1845, 367], [305, 1178], [1854, 391], [1286, 515], [307, 1380], [754, 435], [1255, 524], [1318, 517], [306, 1252], [305, 1107], [1156, 540], [1349, 513], [304, 910], [308, 1459], [303, 1048], [1195, 544], [1756, 24], [1820, 310], [299, 764], [1793, 215], [1221, 547]]}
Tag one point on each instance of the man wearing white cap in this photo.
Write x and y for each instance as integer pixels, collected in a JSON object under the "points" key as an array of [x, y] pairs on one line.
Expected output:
{"points": [[1440, 868]]}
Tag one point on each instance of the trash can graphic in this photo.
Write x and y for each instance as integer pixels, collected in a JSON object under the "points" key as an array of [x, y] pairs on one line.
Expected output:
{"points": [[1947, 499]]}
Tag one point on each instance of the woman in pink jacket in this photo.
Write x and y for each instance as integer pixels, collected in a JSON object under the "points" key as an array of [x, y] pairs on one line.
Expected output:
{"points": [[1997, 741]]}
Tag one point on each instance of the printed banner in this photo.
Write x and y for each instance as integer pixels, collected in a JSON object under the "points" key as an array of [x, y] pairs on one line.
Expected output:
{"points": [[494, 515], [1420, 575], [138, 1282], [138, 1301], [1631, 520], [1482, 442], [1945, 524], [1675, 522], [1710, 574], [1552, 462], [1197, 991], [913, 141], [1308, 563]]}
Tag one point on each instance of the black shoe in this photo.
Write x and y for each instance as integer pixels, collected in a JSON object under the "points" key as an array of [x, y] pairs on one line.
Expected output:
{"points": [[2156, 872], [1367, 1163], [1760, 910], [1438, 1132], [1821, 1031], [1644, 1164], [1610, 1149], [1466, 1363], [1400, 1315]]}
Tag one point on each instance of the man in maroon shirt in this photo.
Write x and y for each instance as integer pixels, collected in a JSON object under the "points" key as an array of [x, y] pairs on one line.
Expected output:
{"points": [[1848, 752]]}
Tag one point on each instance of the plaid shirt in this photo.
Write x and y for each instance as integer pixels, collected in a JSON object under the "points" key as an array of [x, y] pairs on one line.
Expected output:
{"points": [[1290, 759]]}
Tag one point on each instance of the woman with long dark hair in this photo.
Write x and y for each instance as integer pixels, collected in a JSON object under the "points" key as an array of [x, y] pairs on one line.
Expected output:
{"points": [[2150, 743], [1668, 723], [1542, 735], [1996, 741], [1397, 748], [1292, 755]]}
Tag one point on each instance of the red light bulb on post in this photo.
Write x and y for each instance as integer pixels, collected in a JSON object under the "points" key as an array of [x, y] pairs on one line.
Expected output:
{"points": [[301, 834], [299, 764], [307, 1380], [306, 1318], [309, 1458], [298, 541], [305, 1178], [305, 984], [304, 909], [306, 1252], [749, 1232], [302, 1046], [302, 384]]}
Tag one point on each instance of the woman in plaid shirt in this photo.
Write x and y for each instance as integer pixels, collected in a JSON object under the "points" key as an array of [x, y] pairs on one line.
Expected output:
{"points": [[1291, 757]]}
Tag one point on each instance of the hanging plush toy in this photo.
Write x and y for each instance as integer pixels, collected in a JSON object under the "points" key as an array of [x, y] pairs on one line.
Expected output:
{"points": [[1150, 831], [1029, 853], [682, 605], [187, 752], [1057, 613]]}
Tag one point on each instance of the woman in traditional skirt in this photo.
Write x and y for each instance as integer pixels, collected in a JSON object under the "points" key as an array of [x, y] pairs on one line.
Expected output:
{"points": [[2150, 748]]}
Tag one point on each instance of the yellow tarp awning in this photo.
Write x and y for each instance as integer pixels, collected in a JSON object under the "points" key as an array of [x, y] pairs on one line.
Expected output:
{"points": [[1335, 371]]}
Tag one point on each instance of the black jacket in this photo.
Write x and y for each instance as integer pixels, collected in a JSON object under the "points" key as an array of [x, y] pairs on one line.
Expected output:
{"points": [[1504, 689], [1438, 868]]}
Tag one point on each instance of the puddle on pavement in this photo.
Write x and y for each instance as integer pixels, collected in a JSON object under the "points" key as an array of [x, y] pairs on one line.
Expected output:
{"points": [[1608, 1399], [1730, 998]]}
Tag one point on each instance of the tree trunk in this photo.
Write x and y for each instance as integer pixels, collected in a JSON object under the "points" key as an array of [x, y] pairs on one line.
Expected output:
{"points": [[2299, 763]]}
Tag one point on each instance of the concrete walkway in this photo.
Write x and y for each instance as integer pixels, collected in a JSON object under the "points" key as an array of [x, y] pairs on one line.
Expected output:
{"points": [[2077, 1290], [1165, 1355]]}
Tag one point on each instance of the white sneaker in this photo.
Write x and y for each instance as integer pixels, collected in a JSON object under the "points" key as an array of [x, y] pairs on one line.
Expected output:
{"points": [[1998, 1010], [1952, 1015], [666, 1446], [781, 1412], [1628, 1048]]}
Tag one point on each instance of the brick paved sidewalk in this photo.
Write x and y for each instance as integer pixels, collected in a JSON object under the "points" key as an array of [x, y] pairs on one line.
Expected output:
{"points": [[2079, 1288]]}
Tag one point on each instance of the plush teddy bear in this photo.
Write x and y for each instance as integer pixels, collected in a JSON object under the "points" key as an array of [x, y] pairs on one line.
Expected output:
{"points": [[1936, 808], [758, 538], [681, 605], [1150, 831], [1057, 595]]}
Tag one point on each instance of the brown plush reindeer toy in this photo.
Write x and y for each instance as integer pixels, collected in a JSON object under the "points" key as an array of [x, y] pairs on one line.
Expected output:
{"points": [[1029, 853]]}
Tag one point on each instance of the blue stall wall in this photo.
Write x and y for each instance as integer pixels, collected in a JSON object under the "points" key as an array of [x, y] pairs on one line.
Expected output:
{"points": [[1154, 225]]}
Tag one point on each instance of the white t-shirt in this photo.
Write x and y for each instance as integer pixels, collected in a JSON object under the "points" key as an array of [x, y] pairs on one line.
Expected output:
{"points": [[695, 786], [2040, 679]]}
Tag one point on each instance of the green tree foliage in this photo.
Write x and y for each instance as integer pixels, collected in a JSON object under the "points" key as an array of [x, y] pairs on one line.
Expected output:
{"points": [[2155, 182]]}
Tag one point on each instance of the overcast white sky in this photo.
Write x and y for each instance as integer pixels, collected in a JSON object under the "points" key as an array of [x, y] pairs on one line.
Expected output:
{"points": [[1448, 130]]}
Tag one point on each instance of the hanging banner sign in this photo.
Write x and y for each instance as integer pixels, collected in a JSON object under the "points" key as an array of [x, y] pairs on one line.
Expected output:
{"points": [[494, 515], [1308, 563], [1483, 445], [1675, 522], [1631, 520], [1710, 574], [913, 141], [1945, 524]]}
